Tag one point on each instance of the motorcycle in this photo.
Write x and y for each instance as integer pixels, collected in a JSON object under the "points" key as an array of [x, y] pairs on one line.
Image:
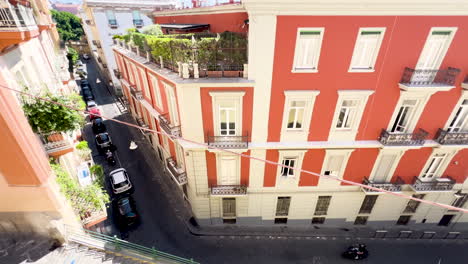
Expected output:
{"points": [[356, 252], [110, 158]]}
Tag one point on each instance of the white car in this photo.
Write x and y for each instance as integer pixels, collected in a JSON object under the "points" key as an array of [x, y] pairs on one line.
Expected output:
{"points": [[120, 181], [91, 104]]}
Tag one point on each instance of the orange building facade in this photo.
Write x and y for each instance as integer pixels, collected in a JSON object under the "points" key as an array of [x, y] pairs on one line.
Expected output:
{"points": [[371, 96]]}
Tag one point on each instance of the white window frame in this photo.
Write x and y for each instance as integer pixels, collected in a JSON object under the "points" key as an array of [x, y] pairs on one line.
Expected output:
{"points": [[290, 180], [421, 98], [314, 68], [289, 171], [180, 155], [145, 83], [172, 104], [219, 157], [384, 152], [157, 91], [298, 134], [217, 98], [329, 153], [447, 158], [376, 51], [463, 97], [361, 96], [452, 35]]}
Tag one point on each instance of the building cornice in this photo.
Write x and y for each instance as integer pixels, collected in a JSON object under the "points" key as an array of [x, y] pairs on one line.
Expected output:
{"points": [[357, 7], [201, 10], [150, 5]]}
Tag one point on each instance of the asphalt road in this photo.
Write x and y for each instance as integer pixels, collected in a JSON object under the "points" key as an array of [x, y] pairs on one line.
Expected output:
{"points": [[162, 228]]}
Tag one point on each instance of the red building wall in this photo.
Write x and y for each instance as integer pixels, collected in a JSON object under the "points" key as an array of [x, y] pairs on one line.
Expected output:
{"points": [[457, 168], [313, 161], [360, 164], [411, 164], [402, 44], [233, 22]]}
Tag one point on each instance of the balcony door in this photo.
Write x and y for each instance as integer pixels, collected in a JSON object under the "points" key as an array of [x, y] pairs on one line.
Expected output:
{"points": [[385, 167], [404, 116], [172, 104], [432, 170], [460, 120], [432, 54], [227, 119], [228, 170]]}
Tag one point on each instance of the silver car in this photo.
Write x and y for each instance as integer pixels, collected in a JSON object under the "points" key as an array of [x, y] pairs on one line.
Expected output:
{"points": [[120, 181]]}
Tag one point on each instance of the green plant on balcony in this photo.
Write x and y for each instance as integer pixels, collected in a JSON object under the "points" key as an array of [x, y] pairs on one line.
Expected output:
{"points": [[83, 199], [98, 172], [51, 113], [83, 150]]}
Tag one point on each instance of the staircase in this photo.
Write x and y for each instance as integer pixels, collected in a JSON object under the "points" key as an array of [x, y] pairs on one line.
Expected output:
{"points": [[121, 105]]}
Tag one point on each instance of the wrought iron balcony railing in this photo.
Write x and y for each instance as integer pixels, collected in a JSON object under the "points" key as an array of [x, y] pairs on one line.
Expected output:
{"points": [[465, 83], [168, 127], [388, 186], [435, 185], [142, 123], [117, 74], [16, 16], [446, 137], [429, 78], [228, 190], [176, 172], [137, 93], [229, 142], [388, 138]]}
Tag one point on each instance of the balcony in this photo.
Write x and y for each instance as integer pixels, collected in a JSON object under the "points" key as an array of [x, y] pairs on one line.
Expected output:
{"points": [[176, 172], [465, 83], [142, 123], [56, 144], [228, 142], [445, 137], [228, 190], [388, 186], [439, 80], [136, 93], [17, 23], [138, 23], [388, 138], [117, 74], [169, 128], [435, 185]]}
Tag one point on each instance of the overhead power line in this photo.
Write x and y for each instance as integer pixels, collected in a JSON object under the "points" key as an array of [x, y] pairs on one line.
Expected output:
{"points": [[380, 190]]}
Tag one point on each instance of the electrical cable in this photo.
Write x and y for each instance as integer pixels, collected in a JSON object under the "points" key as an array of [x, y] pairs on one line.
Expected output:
{"points": [[250, 157]]}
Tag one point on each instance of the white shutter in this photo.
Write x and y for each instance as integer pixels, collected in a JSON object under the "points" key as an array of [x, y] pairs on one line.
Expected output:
{"points": [[334, 164], [383, 168], [228, 171], [307, 51], [365, 50], [434, 51]]}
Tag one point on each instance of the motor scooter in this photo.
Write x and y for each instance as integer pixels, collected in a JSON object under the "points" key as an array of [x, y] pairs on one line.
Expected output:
{"points": [[356, 252], [110, 157]]}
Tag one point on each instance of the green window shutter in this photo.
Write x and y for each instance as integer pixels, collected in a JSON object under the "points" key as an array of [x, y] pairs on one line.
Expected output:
{"points": [[441, 32], [310, 32], [371, 33]]}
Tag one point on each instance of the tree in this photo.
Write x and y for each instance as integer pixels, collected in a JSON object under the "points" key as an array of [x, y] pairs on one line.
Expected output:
{"points": [[68, 25], [46, 117], [154, 30]]}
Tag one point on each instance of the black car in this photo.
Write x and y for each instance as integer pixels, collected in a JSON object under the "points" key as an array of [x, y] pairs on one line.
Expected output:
{"points": [[103, 141], [126, 210], [85, 83], [98, 125], [87, 94]]}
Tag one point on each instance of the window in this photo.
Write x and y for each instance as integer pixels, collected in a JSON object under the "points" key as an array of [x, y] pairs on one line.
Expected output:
{"points": [[282, 206], [137, 21], [385, 166], [368, 204], [229, 207], [288, 172], [461, 200], [111, 18], [403, 219], [136, 14], [296, 115], [307, 53], [413, 205], [157, 91], [322, 205], [433, 167], [228, 169], [282, 220], [318, 220], [227, 113], [347, 112], [145, 83], [434, 50], [361, 220], [446, 220], [459, 122], [227, 118], [171, 101], [366, 49], [405, 113]]}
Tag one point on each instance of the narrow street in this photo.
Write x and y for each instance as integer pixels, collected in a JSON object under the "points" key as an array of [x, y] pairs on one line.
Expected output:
{"points": [[162, 228]]}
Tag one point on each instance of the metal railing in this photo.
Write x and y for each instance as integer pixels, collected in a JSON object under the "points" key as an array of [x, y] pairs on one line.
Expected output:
{"points": [[17, 16], [176, 172], [428, 78], [229, 142], [137, 93], [117, 73], [228, 190], [438, 184], [403, 139], [168, 127], [217, 71], [142, 124], [95, 240], [446, 137], [388, 186], [55, 142]]}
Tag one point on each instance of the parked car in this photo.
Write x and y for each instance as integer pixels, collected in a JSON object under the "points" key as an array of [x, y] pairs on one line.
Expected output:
{"points": [[126, 210], [79, 63], [85, 56], [87, 94], [91, 104], [94, 113], [103, 141], [120, 181], [84, 83], [98, 125]]}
